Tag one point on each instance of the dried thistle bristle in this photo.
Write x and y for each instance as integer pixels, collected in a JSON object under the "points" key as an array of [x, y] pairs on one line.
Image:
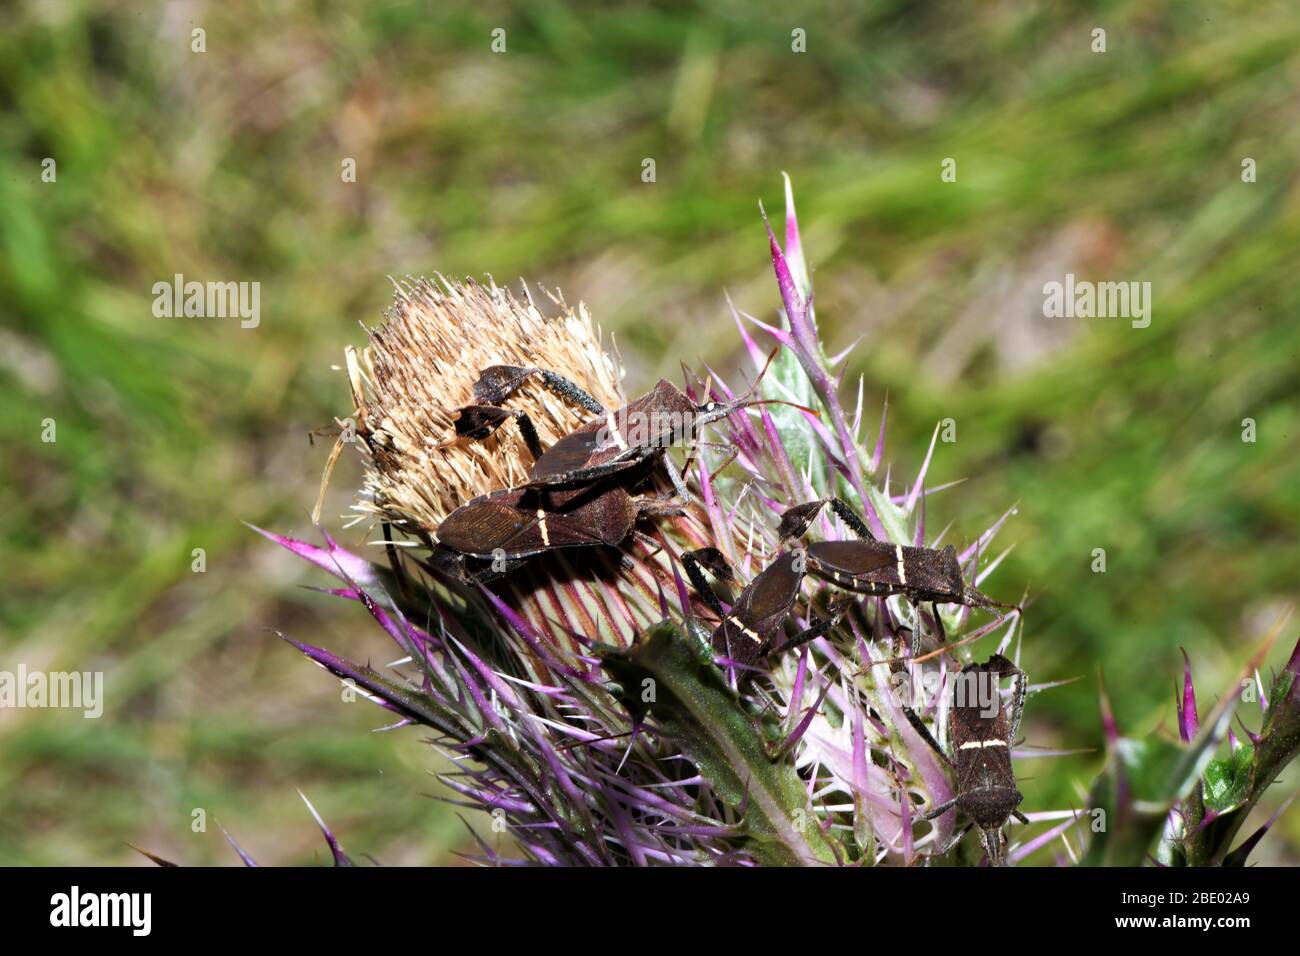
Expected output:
{"points": [[420, 367]]}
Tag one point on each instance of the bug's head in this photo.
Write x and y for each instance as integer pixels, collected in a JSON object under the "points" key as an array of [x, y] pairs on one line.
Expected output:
{"points": [[971, 595], [994, 845], [712, 409], [974, 597]]}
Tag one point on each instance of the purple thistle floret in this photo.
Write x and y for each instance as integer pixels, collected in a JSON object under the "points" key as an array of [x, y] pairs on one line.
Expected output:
{"points": [[1187, 719]]}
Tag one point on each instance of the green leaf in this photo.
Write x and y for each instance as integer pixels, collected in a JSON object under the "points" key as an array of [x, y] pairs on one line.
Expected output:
{"points": [[1227, 782]]}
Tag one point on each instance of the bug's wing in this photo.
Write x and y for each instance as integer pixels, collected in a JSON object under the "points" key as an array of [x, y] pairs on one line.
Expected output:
{"points": [[772, 592], [571, 453], [609, 515], [855, 558], [482, 526], [734, 640], [550, 531]]}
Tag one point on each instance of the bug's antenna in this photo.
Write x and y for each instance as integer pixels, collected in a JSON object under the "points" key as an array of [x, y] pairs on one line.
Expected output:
{"points": [[747, 398], [753, 386]]}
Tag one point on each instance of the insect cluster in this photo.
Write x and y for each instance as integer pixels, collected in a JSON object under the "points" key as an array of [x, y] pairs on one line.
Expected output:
{"points": [[593, 486]]}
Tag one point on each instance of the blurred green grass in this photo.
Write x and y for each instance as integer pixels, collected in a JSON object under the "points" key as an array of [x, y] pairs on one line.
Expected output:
{"points": [[225, 166]]}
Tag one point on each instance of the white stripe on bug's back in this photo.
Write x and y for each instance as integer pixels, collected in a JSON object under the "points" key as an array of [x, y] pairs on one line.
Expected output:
{"points": [[898, 555], [611, 422], [977, 744], [541, 523]]}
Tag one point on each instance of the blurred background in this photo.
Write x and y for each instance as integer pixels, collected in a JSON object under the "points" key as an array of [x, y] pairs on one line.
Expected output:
{"points": [[226, 165]]}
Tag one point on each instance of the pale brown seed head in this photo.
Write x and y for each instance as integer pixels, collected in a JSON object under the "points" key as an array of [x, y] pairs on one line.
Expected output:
{"points": [[420, 367]]}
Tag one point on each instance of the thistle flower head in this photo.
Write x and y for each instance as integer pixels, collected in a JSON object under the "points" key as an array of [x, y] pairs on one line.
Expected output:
{"points": [[420, 367], [580, 696]]}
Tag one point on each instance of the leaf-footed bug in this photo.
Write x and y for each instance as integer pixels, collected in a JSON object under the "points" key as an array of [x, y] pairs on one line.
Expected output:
{"points": [[612, 441], [508, 527], [920, 574], [981, 736], [748, 631]]}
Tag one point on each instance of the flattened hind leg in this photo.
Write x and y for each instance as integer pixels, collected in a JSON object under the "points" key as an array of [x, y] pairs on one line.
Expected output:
{"points": [[694, 570], [496, 383]]}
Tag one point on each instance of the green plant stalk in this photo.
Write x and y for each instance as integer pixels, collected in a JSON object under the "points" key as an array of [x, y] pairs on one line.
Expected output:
{"points": [[694, 707]]}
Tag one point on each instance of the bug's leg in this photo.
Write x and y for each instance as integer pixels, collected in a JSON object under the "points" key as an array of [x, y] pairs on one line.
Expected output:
{"points": [[493, 571], [900, 647], [1005, 668], [912, 716], [796, 519], [938, 622], [529, 431], [956, 838], [561, 385], [584, 475], [496, 383], [1018, 702], [713, 561], [1020, 817], [653, 544], [679, 486], [804, 636], [442, 563], [694, 565], [477, 422], [734, 452], [850, 517], [659, 507], [919, 726], [940, 810]]}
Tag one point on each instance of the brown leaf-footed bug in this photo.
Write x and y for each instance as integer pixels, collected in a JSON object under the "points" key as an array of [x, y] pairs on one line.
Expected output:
{"points": [[981, 735], [748, 631], [510, 526], [920, 574], [613, 441]]}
